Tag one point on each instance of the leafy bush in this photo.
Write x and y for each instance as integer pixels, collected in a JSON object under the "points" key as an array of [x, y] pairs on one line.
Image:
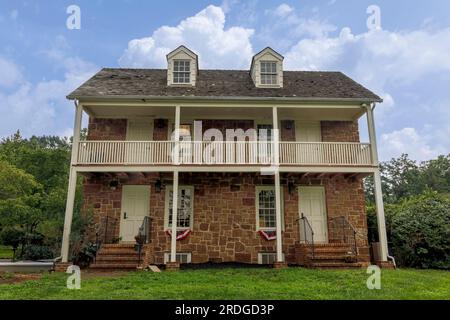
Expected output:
{"points": [[37, 252], [418, 230], [421, 232], [85, 255]]}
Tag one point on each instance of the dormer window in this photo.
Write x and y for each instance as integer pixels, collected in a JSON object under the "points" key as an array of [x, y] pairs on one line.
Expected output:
{"points": [[182, 67], [181, 71], [269, 72], [267, 69]]}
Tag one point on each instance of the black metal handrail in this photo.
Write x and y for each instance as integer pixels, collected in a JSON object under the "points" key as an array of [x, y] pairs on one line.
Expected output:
{"points": [[102, 236], [342, 231], [306, 233], [143, 236]]}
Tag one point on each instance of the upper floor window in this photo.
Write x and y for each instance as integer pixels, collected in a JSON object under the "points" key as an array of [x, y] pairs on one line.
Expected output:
{"points": [[181, 71], [269, 72]]}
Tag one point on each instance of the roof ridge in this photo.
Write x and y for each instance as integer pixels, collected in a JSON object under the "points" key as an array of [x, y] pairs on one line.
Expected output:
{"points": [[228, 70]]}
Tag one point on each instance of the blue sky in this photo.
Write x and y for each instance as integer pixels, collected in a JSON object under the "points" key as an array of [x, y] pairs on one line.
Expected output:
{"points": [[407, 62]]}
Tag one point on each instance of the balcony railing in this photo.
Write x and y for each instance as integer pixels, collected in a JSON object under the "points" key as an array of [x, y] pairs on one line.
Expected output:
{"points": [[222, 153]]}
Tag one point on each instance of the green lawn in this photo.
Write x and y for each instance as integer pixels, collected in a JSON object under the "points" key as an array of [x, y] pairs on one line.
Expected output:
{"points": [[6, 252], [234, 283]]}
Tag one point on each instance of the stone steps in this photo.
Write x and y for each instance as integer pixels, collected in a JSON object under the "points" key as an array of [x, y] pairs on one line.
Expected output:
{"points": [[328, 256], [116, 257], [337, 265]]}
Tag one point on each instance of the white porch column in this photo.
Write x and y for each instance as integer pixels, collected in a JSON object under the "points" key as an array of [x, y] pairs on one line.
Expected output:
{"points": [[72, 184], [173, 251], [276, 154], [377, 182]]}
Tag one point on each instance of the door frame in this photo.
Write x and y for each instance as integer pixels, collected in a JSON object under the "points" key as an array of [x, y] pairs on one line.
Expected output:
{"points": [[121, 220], [324, 213]]}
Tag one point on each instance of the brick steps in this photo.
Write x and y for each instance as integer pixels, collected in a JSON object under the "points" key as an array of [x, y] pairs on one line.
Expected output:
{"points": [[336, 265], [116, 257], [327, 256], [113, 266]]}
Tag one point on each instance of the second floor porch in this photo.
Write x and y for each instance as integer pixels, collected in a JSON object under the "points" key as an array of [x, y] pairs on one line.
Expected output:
{"points": [[301, 135], [210, 153]]}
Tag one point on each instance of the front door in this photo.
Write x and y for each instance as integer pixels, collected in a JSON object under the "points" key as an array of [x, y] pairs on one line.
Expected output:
{"points": [[135, 206], [312, 205]]}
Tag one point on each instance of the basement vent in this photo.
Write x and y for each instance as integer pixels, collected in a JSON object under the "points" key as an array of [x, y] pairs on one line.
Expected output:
{"points": [[182, 257], [267, 257]]}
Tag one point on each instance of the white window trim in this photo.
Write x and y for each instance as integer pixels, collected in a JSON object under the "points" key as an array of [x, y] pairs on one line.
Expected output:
{"points": [[175, 72], [257, 190], [276, 73], [166, 209]]}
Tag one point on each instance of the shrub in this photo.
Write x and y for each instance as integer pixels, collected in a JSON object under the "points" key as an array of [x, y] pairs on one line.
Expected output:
{"points": [[37, 252], [85, 255], [421, 232]]}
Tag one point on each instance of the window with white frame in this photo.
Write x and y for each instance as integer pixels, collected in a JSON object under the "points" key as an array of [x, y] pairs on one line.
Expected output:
{"points": [[269, 72], [185, 207], [181, 71], [266, 212], [266, 209]]}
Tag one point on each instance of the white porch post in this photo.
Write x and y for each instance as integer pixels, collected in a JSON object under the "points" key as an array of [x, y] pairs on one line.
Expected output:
{"points": [[72, 184], [276, 151], [173, 251], [377, 182]]}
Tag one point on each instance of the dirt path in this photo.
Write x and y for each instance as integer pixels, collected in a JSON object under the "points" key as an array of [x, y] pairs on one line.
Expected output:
{"points": [[10, 278]]}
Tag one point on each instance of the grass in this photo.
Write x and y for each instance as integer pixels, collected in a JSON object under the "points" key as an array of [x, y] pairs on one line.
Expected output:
{"points": [[6, 252], [238, 283]]}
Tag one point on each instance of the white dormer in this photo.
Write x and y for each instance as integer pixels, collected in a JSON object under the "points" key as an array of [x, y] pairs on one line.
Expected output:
{"points": [[267, 69], [182, 67]]}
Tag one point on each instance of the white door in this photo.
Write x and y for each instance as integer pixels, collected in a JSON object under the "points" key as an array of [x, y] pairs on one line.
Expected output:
{"points": [[139, 130], [135, 206], [308, 131], [312, 205]]}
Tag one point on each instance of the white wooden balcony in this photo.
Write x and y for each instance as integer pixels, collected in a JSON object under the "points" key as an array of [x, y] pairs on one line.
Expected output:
{"points": [[148, 153]]}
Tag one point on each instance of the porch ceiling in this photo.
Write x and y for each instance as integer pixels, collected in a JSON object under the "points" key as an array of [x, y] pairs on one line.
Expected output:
{"points": [[233, 112]]}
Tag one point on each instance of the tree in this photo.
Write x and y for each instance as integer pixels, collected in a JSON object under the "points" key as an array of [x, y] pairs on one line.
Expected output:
{"points": [[403, 178]]}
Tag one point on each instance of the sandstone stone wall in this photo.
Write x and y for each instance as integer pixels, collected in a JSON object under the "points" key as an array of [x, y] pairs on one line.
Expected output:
{"points": [[107, 129], [224, 213], [340, 131]]}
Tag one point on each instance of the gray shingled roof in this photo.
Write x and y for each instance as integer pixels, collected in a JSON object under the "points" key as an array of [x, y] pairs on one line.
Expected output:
{"points": [[147, 83]]}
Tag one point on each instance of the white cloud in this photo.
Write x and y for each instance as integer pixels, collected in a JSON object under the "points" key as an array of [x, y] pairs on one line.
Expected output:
{"points": [[408, 140], [203, 33], [378, 57], [42, 108], [283, 10], [10, 74], [14, 14]]}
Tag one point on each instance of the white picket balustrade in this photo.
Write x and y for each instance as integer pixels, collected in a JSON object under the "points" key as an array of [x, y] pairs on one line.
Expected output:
{"points": [[222, 152]]}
